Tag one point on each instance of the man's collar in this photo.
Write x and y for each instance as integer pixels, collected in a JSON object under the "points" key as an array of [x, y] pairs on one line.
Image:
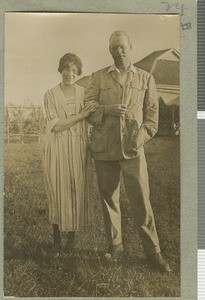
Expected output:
{"points": [[114, 68]]}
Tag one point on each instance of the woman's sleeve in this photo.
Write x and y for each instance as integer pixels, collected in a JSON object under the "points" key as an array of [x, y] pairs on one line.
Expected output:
{"points": [[50, 109]]}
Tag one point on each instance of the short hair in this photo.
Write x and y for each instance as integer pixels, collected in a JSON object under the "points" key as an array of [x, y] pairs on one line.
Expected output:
{"points": [[67, 60], [120, 32]]}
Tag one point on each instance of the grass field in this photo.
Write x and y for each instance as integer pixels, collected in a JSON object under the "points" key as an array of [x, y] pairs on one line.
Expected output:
{"points": [[30, 269]]}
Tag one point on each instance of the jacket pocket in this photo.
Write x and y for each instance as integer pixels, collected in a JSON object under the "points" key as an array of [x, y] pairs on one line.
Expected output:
{"points": [[130, 129], [138, 139], [139, 84], [107, 93], [138, 93], [134, 141], [98, 140]]}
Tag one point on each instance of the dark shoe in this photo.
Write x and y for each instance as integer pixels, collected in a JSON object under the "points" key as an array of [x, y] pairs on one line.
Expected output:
{"points": [[158, 262], [115, 252], [56, 249], [56, 239], [70, 241]]}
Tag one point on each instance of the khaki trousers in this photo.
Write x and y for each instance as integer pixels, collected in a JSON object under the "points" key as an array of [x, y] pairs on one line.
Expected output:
{"points": [[134, 172]]}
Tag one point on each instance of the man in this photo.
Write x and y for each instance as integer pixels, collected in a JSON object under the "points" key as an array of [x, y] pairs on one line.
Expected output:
{"points": [[126, 118]]}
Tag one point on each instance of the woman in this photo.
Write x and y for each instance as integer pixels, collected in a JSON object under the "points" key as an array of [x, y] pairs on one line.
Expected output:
{"points": [[66, 161]]}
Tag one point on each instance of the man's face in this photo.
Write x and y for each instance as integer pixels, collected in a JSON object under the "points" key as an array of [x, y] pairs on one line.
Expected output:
{"points": [[120, 49]]}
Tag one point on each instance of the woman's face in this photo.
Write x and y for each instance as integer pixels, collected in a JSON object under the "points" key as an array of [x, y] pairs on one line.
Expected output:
{"points": [[69, 74]]}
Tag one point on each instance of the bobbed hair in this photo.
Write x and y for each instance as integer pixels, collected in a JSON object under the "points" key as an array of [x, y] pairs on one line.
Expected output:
{"points": [[67, 60]]}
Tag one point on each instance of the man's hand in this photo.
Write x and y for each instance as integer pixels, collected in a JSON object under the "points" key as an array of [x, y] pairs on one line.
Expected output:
{"points": [[115, 109]]}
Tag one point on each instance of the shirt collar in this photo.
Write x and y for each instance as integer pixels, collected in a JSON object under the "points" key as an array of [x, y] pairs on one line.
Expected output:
{"points": [[114, 68]]}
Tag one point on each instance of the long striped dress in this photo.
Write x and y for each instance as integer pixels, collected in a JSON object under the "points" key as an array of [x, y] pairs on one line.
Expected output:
{"points": [[67, 163]]}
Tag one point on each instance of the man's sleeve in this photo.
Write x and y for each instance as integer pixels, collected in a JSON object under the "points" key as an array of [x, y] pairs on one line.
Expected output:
{"points": [[92, 94], [149, 126]]}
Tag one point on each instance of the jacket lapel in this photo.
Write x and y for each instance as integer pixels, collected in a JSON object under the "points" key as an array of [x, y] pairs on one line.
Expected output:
{"points": [[113, 74]]}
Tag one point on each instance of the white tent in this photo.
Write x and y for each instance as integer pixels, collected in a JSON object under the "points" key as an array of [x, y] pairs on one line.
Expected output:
{"points": [[164, 65]]}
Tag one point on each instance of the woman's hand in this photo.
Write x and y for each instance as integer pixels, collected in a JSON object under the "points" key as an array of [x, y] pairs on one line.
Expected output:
{"points": [[88, 109]]}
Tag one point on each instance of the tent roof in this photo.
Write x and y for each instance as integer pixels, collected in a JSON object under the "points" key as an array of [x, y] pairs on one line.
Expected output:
{"points": [[147, 62], [166, 72], [163, 64], [169, 102], [174, 102]]}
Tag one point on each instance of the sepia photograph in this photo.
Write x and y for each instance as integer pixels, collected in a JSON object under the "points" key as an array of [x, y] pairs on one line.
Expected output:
{"points": [[92, 155]]}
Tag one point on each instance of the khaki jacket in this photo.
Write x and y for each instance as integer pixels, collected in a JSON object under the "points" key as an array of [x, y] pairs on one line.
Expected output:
{"points": [[114, 137]]}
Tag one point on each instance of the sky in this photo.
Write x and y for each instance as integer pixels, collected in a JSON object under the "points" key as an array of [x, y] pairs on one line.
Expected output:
{"points": [[35, 42]]}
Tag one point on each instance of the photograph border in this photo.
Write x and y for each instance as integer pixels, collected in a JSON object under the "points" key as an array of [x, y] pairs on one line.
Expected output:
{"points": [[188, 112]]}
